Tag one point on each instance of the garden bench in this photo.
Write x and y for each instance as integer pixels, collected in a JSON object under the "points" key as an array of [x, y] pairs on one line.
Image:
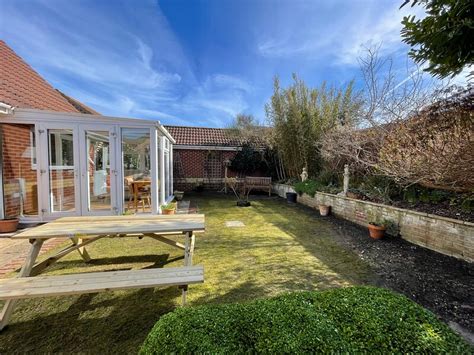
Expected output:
{"points": [[60, 285], [254, 182]]}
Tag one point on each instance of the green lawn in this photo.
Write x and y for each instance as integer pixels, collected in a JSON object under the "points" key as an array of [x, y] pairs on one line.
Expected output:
{"points": [[280, 249]]}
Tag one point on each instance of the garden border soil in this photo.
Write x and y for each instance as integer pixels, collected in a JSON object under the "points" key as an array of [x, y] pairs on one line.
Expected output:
{"points": [[440, 283]]}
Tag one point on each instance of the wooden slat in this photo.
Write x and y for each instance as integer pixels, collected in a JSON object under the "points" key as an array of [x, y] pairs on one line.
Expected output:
{"points": [[99, 275], [71, 227], [166, 241], [138, 217], [41, 286]]}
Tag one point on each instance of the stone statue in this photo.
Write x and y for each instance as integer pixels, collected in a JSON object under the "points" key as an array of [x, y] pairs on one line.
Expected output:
{"points": [[304, 175], [346, 180]]}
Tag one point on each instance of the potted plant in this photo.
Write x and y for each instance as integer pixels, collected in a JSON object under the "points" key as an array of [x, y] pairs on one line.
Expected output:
{"points": [[8, 225], [324, 210], [291, 197], [377, 228], [169, 208]]}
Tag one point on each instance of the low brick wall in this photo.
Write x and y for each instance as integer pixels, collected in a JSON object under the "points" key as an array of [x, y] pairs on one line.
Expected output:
{"points": [[444, 235], [190, 184]]}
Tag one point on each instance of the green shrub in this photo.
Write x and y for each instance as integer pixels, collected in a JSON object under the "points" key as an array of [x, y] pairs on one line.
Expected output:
{"points": [[378, 188], [325, 182], [344, 320], [308, 187]]}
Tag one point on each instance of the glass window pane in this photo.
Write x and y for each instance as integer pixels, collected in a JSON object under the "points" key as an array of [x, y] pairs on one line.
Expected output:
{"points": [[20, 185], [136, 169], [61, 170], [167, 174], [98, 170]]}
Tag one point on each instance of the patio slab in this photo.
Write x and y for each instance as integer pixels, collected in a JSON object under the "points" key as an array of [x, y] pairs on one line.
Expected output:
{"points": [[13, 252], [234, 224]]}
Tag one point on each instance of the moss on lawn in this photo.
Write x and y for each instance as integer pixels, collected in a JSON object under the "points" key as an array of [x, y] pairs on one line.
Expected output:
{"points": [[281, 248]]}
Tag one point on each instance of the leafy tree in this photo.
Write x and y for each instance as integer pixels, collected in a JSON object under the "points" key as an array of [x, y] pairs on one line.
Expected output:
{"points": [[247, 129], [247, 160], [444, 37]]}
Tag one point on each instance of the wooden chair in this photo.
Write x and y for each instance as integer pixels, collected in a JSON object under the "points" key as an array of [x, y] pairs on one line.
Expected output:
{"points": [[139, 191]]}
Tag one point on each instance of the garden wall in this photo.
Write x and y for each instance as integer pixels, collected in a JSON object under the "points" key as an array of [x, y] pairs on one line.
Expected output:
{"points": [[444, 235], [193, 167]]}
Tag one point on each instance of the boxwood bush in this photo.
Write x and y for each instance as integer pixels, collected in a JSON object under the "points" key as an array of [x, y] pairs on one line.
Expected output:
{"points": [[345, 320]]}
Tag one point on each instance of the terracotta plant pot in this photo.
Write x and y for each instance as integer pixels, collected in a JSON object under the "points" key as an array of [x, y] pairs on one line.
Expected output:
{"points": [[8, 225], [376, 232], [324, 210], [168, 211]]}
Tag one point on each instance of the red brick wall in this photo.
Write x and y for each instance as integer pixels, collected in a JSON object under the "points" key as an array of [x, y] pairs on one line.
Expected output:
{"points": [[17, 164], [193, 169]]}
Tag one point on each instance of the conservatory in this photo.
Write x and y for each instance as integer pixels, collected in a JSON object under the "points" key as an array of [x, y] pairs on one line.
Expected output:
{"points": [[58, 164]]}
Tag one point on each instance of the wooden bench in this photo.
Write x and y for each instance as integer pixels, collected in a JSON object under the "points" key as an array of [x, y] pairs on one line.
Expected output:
{"points": [[254, 182], [42, 286]]}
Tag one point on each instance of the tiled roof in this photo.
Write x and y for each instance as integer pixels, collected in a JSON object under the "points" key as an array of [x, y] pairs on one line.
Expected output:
{"points": [[202, 136], [79, 105], [21, 86]]}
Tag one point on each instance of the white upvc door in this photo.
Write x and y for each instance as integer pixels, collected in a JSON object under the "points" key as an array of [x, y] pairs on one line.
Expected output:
{"points": [[59, 171], [98, 170], [77, 170]]}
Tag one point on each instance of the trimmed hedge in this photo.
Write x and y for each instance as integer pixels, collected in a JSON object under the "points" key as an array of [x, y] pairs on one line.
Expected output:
{"points": [[344, 320]]}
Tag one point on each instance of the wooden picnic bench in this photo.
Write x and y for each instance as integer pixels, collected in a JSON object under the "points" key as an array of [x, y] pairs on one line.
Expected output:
{"points": [[82, 231], [257, 182]]}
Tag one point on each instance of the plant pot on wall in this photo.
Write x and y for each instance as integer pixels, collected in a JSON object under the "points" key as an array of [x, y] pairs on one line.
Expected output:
{"points": [[376, 231], [170, 208], [8, 225], [324, 210]]}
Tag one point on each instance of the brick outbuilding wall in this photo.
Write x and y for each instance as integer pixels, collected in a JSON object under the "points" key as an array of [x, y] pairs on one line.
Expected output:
{"points": [[192, 168]]}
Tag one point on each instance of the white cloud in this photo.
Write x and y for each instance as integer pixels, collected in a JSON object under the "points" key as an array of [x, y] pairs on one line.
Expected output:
{"points": [[342, 35]]}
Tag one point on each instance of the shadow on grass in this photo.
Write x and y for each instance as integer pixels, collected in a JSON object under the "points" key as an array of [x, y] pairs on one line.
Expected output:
{"points": [[97, 323], [115, 322], [158, 261]]}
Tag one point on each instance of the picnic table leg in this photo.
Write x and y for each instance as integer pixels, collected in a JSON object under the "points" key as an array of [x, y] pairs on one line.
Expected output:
{"points": [[9, 305], [82, 250], [188, 259]]}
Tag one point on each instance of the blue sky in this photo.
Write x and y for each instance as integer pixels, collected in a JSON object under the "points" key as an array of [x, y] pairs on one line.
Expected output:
{"points": [[195, 63]]}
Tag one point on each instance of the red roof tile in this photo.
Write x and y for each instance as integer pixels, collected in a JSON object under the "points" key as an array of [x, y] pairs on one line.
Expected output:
{"points": [[203, 136], [21, 86]]}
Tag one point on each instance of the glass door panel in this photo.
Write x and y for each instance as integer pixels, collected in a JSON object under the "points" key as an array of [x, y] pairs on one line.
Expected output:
{"points": [[61, 170], [136, 162], [98, 179]]}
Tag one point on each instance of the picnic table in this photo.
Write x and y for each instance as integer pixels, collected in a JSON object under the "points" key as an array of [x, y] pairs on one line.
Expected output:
{"points": [[82, 231]]}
